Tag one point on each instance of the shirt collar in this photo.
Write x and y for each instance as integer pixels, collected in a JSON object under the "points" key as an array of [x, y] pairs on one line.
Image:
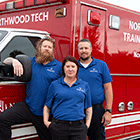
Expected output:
{"points": [[51, 63], [91, 64], [76, 83]]}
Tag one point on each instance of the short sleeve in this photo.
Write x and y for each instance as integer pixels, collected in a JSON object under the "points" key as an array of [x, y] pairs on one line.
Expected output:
{"points": [[50, 96], [106, 74], [88, 102]]}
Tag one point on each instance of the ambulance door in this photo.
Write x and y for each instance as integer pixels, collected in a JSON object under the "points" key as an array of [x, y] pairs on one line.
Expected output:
{"points": [[93, 23], [133, 105], [92, 27]]}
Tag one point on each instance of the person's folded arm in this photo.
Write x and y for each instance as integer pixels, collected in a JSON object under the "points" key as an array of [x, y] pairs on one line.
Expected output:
{"points": [[18, 68]]}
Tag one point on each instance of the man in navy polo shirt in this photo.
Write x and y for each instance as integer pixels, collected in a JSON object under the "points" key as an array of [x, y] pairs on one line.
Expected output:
{"points": [[45, 69], [96, 73]]}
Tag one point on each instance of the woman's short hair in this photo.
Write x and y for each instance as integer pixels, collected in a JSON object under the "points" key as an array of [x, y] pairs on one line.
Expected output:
{"points": [[71, 59]]}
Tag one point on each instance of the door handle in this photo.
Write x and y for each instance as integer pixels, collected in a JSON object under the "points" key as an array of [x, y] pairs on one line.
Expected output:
{"points": [[130, 106], [121, 106]]}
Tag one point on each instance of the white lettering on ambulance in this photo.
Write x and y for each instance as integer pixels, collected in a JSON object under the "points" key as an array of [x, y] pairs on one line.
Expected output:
{"points": [[131, 37], [6, 21], [27, 18], [1, 106], [45, 16], [1, 21], [4, 106], [134, 25], [136, 54], [17, 19], [14, 20], [39, 16], [24, 19], [11, 21]]}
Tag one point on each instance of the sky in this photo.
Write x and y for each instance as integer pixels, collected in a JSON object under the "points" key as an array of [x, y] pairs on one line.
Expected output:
{"points": [[130, 4]]}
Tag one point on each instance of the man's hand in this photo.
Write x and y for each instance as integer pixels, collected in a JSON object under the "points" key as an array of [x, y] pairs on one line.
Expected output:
{"points": [[18, 68], [106, 119]]}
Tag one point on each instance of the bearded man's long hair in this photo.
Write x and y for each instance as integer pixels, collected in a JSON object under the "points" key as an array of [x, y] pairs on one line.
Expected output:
{"points": [[40, 56]]}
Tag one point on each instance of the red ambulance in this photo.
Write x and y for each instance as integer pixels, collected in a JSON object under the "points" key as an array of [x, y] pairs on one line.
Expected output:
{"points": [[114, 33]]}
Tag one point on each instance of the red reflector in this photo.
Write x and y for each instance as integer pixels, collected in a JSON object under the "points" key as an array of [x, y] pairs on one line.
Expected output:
{"points": [[29, 3], [95, 18], [2, 7], [18, 4], [37, 2]]}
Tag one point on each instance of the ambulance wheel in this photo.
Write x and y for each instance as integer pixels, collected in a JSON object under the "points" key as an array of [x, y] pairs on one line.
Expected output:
{"points": [[27, 68]]}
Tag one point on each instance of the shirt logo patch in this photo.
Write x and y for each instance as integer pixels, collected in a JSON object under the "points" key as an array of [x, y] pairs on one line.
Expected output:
{"points": [[51, 70], [80, 89], [93, 70]]}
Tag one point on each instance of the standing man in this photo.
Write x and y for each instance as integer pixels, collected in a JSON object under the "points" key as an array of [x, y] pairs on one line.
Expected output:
{"points": [[96, 73], [45, 69]]}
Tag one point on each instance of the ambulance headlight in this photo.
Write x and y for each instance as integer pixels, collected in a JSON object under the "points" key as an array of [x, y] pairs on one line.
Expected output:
{"points": [[114, 22]]}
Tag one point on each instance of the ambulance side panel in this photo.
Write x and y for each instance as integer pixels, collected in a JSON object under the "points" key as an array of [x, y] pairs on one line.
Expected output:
{"points": [[120, 49]]}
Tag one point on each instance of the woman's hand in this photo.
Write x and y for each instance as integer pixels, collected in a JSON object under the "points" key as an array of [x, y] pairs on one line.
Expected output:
{"points": [[47, 123]]}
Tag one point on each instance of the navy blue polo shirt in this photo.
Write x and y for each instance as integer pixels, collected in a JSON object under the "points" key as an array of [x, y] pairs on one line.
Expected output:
{"points": [[96, 74], [36, 90], [68, 103]]}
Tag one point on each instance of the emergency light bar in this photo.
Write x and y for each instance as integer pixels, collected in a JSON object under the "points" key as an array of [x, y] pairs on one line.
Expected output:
{"points": [[28, 3], [38, 2], [17, 4], [2, 7], [9, 5]]}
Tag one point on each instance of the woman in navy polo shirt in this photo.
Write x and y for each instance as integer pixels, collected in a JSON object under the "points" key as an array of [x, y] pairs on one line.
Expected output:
{"points": [[68, 98]]}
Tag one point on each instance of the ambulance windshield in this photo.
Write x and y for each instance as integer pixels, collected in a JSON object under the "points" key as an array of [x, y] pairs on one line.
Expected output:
{"points": [[2, 34]]}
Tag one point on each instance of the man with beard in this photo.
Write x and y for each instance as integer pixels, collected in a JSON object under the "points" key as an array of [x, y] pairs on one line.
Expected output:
{"points": [[96, 73], [45, 69]]}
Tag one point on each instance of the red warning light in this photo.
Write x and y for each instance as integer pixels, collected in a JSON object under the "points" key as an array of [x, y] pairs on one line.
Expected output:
{"points": [[2, 7], [94, 17], [29, 3], [39, 2], [19, 4]]}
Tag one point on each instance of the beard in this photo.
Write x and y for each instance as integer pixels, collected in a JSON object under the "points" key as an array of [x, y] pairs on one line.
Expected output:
{"points": [[86, 58], [43, 57]]}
